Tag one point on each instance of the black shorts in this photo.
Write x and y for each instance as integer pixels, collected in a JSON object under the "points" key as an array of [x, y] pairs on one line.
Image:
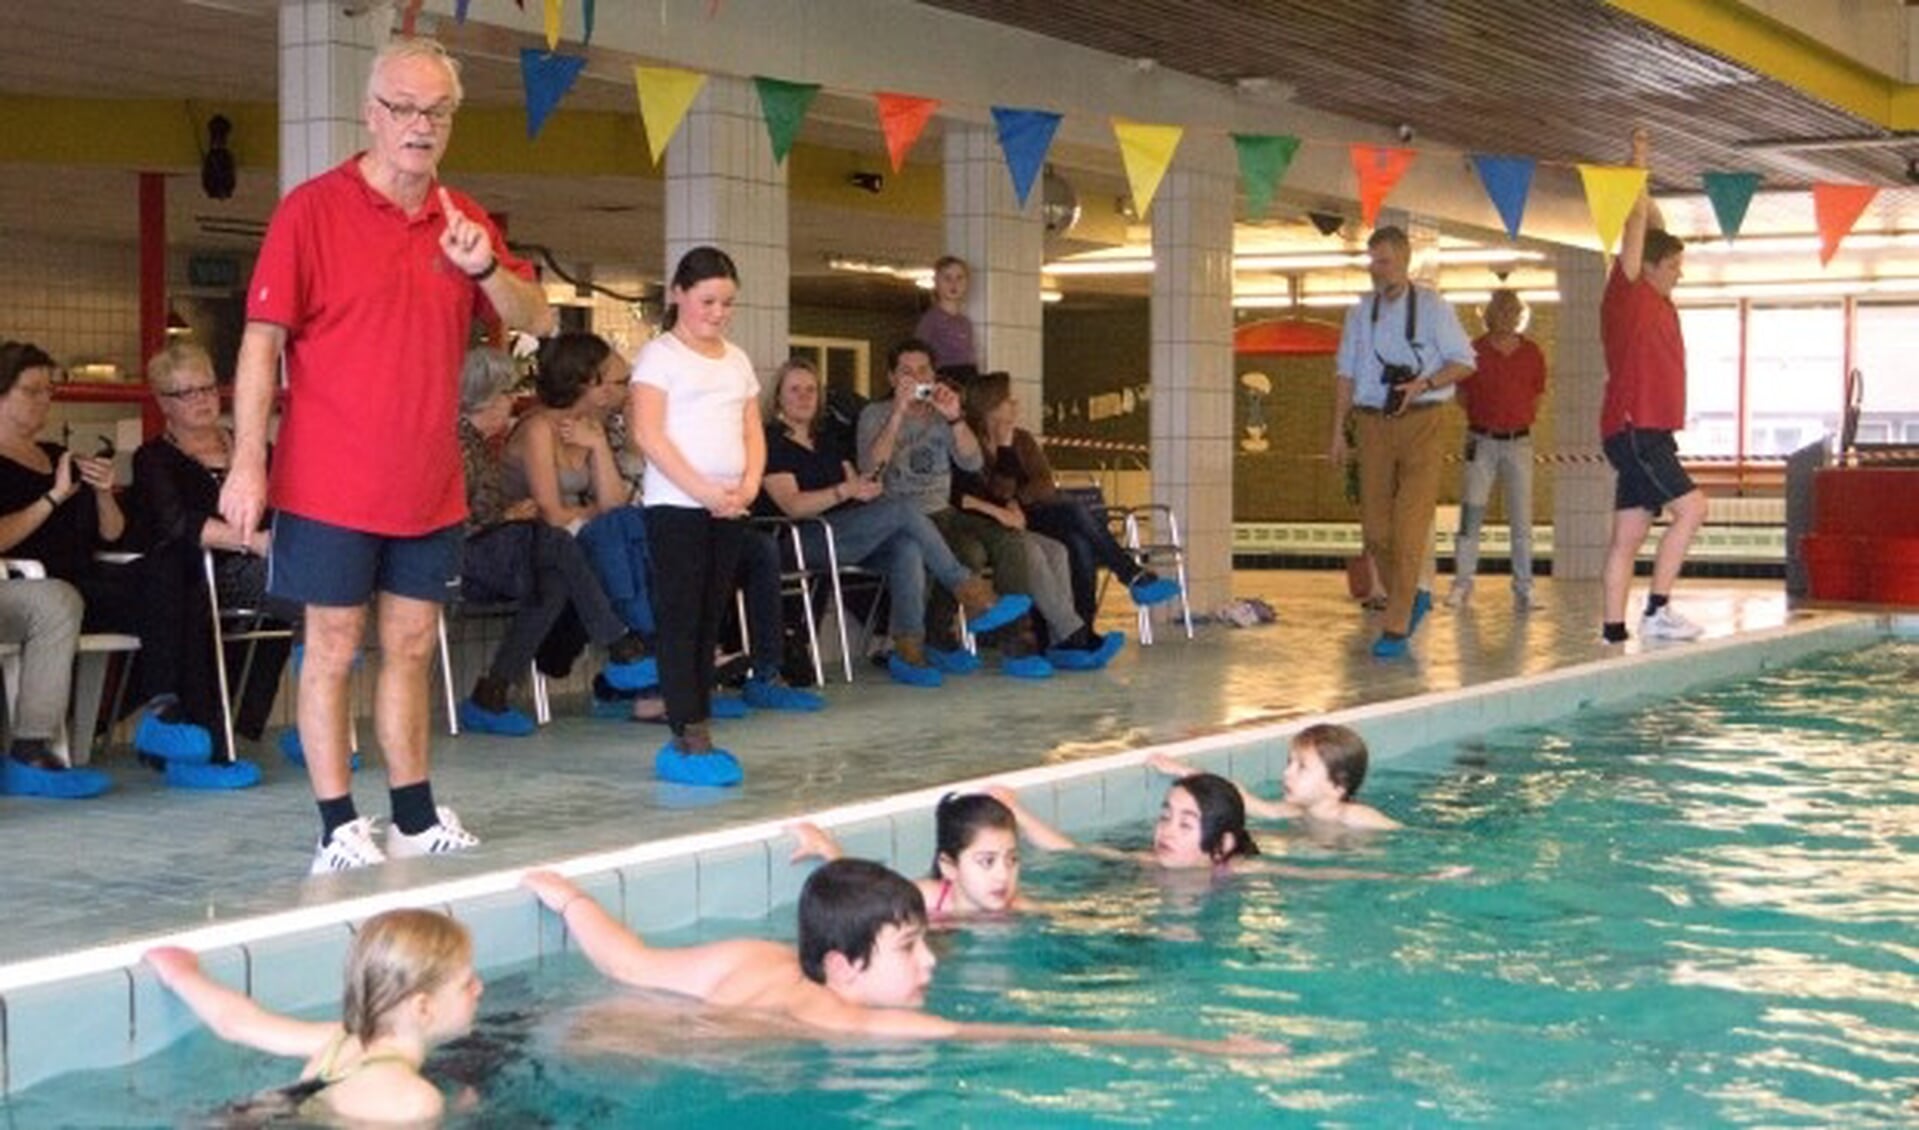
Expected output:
{"points": [[314, 562], [1650, 475]]}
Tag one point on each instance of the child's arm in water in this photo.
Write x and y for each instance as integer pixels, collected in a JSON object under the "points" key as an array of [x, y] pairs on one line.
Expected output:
{"points": [[908, 1024], [1031, 828], [234, 1016], [620, 954], [1256, 806]]}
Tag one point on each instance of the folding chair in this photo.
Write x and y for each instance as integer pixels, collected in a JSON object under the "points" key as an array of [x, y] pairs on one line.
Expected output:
{"points": [[466, 611], [1152, 533], [804, 580], [248, 626]]}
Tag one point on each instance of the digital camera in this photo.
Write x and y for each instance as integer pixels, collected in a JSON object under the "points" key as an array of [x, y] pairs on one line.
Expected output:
{"points": [[1397, 377], [923, 392]]}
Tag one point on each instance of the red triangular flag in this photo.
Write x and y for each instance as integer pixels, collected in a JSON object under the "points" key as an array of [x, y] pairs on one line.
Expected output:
{"points": [[1837, 207], [1379, 168], [902, 117]]}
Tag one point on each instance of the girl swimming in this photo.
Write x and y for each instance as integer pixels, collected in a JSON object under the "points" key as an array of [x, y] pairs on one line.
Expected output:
{"points": [[976, 858]]}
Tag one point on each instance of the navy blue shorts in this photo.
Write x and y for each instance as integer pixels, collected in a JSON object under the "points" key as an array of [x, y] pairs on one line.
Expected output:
{"points": [[1650, 475], [318, 563]]}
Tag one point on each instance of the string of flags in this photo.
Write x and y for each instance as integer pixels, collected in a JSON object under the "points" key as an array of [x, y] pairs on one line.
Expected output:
{"points": [[1146, 149]]}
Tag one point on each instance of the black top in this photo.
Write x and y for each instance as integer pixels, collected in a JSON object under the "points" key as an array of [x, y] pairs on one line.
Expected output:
{"points": [[815, 468], [65, 542]]}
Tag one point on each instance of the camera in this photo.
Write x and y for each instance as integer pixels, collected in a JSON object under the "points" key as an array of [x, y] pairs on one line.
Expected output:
{"points": [[1397, 377], [923, 392]]}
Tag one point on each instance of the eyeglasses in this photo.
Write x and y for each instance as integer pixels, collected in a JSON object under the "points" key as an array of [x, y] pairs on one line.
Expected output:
{"points": [[192, 392], [436, 115]]}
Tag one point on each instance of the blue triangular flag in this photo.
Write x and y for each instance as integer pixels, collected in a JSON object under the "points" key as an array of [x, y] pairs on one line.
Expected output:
{"points": [[1024, 137], [547, 77], [1508, 181], [459, 11], [1730, 194]]}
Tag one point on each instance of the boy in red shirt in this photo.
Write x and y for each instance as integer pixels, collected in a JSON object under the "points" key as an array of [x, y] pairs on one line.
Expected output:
{"points": [[1500, 401]]}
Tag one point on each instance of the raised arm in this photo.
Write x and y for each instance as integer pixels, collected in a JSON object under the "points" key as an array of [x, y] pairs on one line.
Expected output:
{"points": [[1255, 805], [233, 1015], [1036, 831], [1644, 214]]}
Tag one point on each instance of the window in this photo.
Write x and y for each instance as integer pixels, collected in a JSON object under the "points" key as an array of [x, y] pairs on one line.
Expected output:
{"points": [[1712, 380], [1886, 353], [843, 363], [1795, 376]]}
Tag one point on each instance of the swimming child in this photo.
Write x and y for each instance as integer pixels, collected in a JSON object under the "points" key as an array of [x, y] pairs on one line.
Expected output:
{"points": [[1325, 766], [975, 859], [410, 986], [861, 969]]}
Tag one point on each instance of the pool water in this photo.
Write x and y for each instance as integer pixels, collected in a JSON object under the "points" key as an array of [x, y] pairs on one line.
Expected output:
{"points": [[1702, 912]]}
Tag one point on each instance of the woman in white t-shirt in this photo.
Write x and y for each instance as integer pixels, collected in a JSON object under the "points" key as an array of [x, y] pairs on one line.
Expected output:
{"points": [[694, 405]]}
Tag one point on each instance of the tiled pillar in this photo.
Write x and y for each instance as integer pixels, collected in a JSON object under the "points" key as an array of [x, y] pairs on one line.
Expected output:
{"points": [[325, 54], [1192, 361], [1583, 483], [1004, 245], [723, 189]]}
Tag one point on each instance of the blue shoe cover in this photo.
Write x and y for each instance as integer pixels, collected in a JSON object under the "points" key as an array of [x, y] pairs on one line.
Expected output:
{"points": [[956, 662], [172, 741], [1004, 611], [1159, 590], [213, 775], [1027, 667], [296, 754], [1389, 646], [768, 695], [727, 708], [715, 768], [508, 723], [1074, 659], [1422, 604], [904, 672], [635, 676], [66, 784]]}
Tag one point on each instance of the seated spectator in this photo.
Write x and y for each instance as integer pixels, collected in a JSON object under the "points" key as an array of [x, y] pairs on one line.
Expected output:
{"points": [[806, 478], [1016, 462], [758, 578], [512, 555], [175, 504], [43, 618], [59, 509]]}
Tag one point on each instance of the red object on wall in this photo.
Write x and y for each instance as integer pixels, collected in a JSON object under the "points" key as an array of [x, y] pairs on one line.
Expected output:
{"points": [[1297, 337], [1875, 502], [1864, 544]]}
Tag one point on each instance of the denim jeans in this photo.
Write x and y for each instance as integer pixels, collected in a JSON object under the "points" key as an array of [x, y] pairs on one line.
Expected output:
{"points": [[1512, 461], [891, 535]]}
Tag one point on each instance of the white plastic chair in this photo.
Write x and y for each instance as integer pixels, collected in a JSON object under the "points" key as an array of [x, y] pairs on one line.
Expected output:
{"points": [[91, 658]]}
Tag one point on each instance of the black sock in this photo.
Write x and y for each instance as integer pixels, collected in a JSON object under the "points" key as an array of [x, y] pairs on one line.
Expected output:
{"points": [[489, 694], [1614, 631], [628, 648], [334, 813], [413, 811], [28, 750], [1654, 602]]}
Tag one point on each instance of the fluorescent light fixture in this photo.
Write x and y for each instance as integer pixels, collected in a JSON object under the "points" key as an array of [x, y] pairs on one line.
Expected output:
{"points": [[1133, 264], [1263, 302], [1803, 244], [1050, 296], [1798, 288], [1129, 266], [921, 277]]}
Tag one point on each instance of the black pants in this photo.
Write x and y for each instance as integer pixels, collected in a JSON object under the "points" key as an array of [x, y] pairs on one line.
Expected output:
{"points": [[693, 561], [1089, 544]]}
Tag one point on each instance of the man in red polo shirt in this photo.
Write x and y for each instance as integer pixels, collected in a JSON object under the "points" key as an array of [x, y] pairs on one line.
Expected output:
{"points": [[367, 285], [1645, 404], [1500, 401]]}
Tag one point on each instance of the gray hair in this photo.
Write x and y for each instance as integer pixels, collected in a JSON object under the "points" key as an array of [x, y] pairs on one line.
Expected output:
{"points": [[176, 356], [486, 374], [402, 48]]}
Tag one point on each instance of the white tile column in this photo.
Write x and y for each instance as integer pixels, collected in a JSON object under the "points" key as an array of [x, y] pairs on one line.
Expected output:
{"points": [[1004, 245], [325, 54], [1583, 483], [723, 189], [1192, 360]]}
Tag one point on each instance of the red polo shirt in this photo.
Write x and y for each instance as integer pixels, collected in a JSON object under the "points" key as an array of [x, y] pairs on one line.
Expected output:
{"points": [[1645, 357], [377, 321], [1503, 393]]}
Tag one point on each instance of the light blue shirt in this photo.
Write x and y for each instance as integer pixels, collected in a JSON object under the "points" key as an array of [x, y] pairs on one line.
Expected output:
{"points": [[1368, 344]]}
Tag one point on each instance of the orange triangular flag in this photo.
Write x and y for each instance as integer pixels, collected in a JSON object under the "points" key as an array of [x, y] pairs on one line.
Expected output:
{"points": [[1379, 168], [1838, 207], [902, 117], [666, 93], [1611, 192]]}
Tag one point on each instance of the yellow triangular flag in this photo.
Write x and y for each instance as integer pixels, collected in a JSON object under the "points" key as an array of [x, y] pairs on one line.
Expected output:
{"points": [[1147, 150], [553, 23], [666, 93], [1611, 191]]}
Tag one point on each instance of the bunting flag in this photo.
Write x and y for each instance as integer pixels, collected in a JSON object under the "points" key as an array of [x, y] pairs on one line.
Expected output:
{"points": [[552, 21], [1146, 150], [1263, 161], [586, 11], [666, 93], [902, 118], [410, 17], [1508, 182], [1024, 138], [1611, 191], [1730, 193], [547, 78], [1379, 168], [1838, 207], [783, 104], [459, 10]]}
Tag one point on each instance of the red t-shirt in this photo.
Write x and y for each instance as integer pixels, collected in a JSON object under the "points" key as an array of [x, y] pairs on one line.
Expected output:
{"points": [[1503, 393], [377, 322], [1645, 357]]}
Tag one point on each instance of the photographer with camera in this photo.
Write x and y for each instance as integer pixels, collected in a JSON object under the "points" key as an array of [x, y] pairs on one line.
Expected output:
{"points": [[1400, 354]]}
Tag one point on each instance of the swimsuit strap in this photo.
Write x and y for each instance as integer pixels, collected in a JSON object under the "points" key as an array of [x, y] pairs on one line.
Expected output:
{"points": [[946, 889]]}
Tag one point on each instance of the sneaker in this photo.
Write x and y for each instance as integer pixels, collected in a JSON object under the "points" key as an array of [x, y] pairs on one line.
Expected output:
{"points": [[912, 676], [350, 847], [1389, 646], [959, 661], [712, 767], [508, 723], [444, 836], [296, 754], [1459, 595], [1150, 590], [172, 741], [1666, 624], [1422, 604], [635, 676], [765, 694], [1026, 667]]}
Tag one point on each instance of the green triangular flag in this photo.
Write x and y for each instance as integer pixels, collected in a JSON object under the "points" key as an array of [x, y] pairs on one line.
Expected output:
{"points": [[1263, 160], [784, 106], [1730, 193]]}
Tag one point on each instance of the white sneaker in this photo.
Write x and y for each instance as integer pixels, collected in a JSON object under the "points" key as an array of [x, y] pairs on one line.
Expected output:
{"points": [[1458, 596], [445, 836], [1667, 624], [351, 846]]}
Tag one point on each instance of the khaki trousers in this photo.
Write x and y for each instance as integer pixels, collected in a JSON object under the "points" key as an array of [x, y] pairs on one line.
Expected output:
{"points": [[1399, 463]]}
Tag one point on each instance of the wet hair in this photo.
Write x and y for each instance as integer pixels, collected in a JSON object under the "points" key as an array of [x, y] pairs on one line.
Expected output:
{"points": [[787, 368], [176, 356], [945, 261], [957, 822], [1660, 246], [844, 906], [695, 267], [485, 374], [1221, 810], [414, 48], [910, 345], [395, 955], [1341, 750], [1391, 235], [16, 357], [569, 364]]}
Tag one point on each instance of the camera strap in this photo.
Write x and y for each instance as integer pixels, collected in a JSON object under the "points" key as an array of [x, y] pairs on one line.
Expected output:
{"points": [[1412, 326]]}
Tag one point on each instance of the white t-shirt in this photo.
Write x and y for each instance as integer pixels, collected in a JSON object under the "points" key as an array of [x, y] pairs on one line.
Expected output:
{"points": [[705, 412]]}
